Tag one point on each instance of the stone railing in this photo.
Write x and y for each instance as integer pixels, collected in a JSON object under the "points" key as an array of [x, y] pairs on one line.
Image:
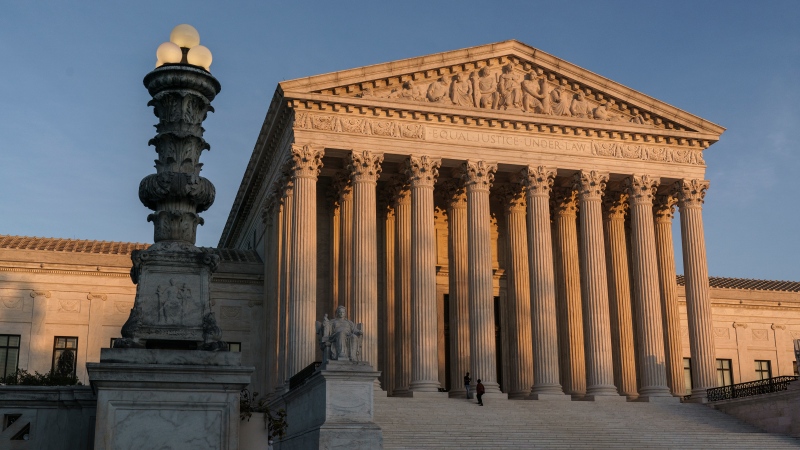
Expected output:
{"points": [[750, 388]]}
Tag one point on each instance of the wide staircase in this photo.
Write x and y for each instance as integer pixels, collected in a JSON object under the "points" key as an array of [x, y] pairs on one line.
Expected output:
{"points": [[416, 423]]}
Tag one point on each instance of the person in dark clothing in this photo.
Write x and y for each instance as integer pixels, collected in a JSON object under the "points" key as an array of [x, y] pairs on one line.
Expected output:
{"points": [[467, 381], [480, 390]]}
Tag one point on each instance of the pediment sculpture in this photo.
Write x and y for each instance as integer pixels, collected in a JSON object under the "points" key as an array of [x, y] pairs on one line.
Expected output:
{"points": [[340, 338]]}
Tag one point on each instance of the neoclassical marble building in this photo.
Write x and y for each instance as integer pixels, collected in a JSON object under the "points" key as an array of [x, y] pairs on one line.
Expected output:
{"points": [[495, 210], [492, 210]]}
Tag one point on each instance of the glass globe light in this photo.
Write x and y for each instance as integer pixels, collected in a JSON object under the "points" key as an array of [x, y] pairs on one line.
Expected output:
{"points": [[159, 63], [184, 35], [199, 56], [169, 53]]}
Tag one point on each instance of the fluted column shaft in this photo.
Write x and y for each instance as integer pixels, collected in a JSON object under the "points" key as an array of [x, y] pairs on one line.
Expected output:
{"points": [[283, 300], [345, 188], [652, 372], [388, 326], [691, 194], [422, 172], [403, 289], [458, 255], [568, 292], [537, 182], [518, 305], [271, 285], [594, 285], [307, 162], [664, 210], [365, 167], [478, 178], [619, 294]]}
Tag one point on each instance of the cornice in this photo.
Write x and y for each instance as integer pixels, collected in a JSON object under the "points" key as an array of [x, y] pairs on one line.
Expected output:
{"points": [[66, 272]]}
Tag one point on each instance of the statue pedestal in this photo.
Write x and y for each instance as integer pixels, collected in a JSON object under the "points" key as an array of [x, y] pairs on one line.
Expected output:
{"points": [[167, 398], [333, 409]]}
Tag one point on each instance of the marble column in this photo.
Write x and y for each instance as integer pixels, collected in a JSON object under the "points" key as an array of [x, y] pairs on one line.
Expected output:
{"points": [[664, 209], [455, 198], [287, 196], [306, 164], [653, 374], [590, 185], [335, 230], [568, 291], [537, 183], [615, 205], [691, 194], [365, 168], [387, 326], [271, 293], [422, 172], [402, 210], [343, 184], [518, 288], [478, 177]]}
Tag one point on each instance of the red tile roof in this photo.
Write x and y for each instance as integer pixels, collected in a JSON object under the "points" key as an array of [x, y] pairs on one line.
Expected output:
{"points": [[69, 245], [747, 283]]}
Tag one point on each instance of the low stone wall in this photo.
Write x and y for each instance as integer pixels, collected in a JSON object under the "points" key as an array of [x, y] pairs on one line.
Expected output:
{"points": [[778, 412], [50, 417]]}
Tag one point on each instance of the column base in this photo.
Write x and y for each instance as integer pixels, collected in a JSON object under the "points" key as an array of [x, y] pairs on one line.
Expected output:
{"points": [[656, 399], [550, 397], [424, 386]]}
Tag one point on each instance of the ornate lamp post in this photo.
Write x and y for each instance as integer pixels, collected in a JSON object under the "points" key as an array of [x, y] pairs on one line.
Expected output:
{"points": [[172, 307]]}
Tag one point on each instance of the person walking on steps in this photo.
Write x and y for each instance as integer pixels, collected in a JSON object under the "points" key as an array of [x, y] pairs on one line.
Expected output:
{"points": [[480, 390], [467, 381]]}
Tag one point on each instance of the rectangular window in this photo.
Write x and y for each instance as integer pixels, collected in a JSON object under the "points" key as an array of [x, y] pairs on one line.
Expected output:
{"points": [[687, 374], [65, 355], [763, 369], [794, 367], [724, 373], [9, 354], [235, 347]]}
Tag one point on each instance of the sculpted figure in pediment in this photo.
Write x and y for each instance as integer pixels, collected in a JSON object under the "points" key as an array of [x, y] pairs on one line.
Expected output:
{"points": [[603, 112], [409, 91], [559, 100], [509, 89], [580, 107], [438, 91], [485, 88], [461, 91], [534, 95]]}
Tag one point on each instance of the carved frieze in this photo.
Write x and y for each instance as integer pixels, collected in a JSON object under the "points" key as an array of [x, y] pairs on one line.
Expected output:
{"points": [[369, 127], [648, 153], [722, 333], [14, 302], [760, 335]]}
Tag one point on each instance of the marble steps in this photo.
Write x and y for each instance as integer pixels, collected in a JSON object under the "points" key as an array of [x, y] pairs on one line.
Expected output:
{"points": [[460, 423]]}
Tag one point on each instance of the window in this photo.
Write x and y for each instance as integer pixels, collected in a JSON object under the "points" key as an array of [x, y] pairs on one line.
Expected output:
{"points": [[763, 370], [65, 355], [235, 347], [9, 354], [794, 367], [724, 372], [687, 374]]}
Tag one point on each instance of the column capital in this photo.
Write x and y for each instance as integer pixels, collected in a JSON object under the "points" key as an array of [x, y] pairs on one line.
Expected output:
{"points": [[615, 205], [537, 180], [690, 193], [478, 175], [664, 208], [565, 201], [512, 197], [342, 184], [590, 184], [422, 170], [453, 193], [641, 189], [306, 161], [364, 165]]}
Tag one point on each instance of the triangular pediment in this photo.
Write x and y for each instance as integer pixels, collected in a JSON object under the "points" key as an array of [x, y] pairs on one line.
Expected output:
{"points": [[506, 77]]}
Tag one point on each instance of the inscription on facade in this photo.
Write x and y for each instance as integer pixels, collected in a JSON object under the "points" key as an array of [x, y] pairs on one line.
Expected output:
{"points": [[506, 140]]}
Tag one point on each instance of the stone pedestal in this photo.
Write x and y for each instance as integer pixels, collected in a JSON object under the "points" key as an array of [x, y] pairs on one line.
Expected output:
{"points": [[167, 398], [333, 409]]}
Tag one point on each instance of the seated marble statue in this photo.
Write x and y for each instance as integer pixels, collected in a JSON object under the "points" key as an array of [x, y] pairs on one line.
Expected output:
{"points": [[340, 338]]}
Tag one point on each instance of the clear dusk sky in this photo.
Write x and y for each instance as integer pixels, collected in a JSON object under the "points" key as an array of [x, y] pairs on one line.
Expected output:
{"points": [[74, 124]]}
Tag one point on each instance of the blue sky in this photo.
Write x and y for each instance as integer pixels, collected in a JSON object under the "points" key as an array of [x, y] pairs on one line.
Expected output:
{"points": [[74, 124]]}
